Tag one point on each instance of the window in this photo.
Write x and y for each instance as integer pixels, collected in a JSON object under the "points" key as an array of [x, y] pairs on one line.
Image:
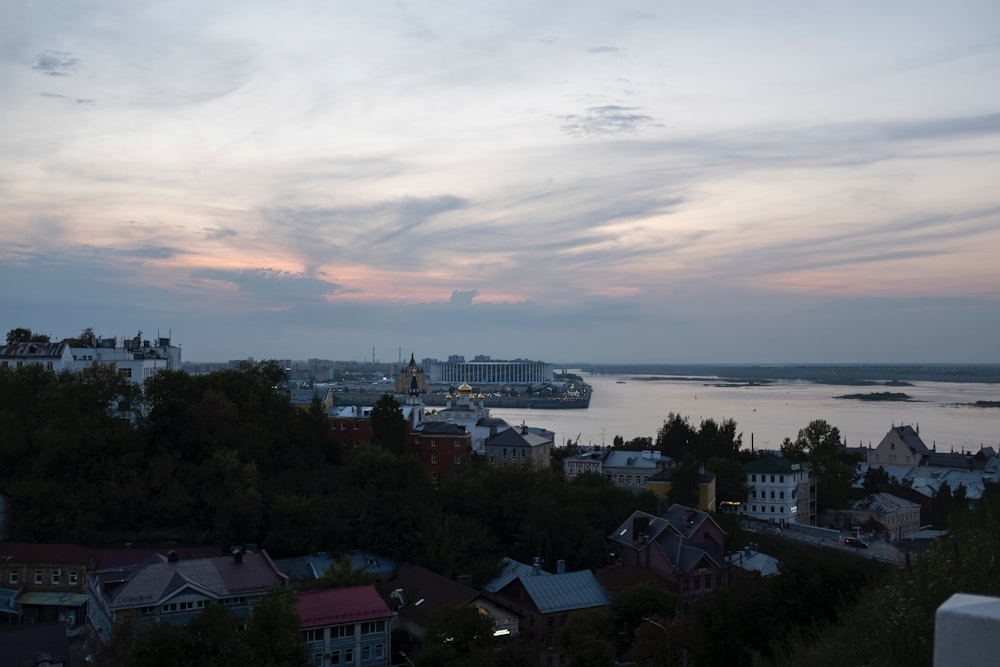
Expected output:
{"points": [[314, 635], [434, 443], [458, 460], [373, 627], [73, 578], [781, 495], [753, 493], [772, 479], [56, 577], [38, 576], [335, 658], [434, 458], [349, 656], [14, 576], [753, 478], [366, 653], [781, 478], [772, 495], [379, 651], [318, 659], [892, 445]]}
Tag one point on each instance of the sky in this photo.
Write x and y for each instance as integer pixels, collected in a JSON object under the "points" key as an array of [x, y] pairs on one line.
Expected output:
{"points": [[586, 181]]}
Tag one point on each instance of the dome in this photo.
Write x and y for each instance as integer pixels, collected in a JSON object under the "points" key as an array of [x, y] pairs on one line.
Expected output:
{"points": [[481, 396], [465, 388], [447, 397]]}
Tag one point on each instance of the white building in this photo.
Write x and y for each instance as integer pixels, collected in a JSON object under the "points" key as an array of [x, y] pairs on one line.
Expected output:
{"points": [[485, 371], [139, 359], [779, 491], [53, 356]]}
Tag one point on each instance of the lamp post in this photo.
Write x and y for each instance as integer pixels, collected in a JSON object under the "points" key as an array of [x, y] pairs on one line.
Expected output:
{"points": [[665, 633]]}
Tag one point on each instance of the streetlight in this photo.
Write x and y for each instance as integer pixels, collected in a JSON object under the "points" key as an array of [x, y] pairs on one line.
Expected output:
{"points": [[665, 633]]}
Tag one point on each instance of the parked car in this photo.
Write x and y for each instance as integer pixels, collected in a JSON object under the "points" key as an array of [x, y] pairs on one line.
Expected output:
{"points": [[855, 542]]}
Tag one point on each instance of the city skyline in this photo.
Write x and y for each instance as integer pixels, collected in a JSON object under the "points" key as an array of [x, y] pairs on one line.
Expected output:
{"points": [[644, 182]]}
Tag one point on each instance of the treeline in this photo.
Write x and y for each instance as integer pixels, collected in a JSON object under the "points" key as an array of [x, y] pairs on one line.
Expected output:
{"points": [[224, 458]]}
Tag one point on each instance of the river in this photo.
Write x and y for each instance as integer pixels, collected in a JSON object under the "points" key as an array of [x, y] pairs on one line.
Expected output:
{"points": [[630, 407]]}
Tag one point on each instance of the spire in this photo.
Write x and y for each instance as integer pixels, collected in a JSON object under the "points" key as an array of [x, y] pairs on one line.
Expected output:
{"points": [[414, 387]]}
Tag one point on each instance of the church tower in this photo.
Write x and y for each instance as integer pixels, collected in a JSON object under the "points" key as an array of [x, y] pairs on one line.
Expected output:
{"points": [[411, 372]]}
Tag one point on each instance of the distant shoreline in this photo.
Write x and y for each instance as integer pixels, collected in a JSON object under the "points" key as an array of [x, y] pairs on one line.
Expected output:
{"points": [[892, 375]]}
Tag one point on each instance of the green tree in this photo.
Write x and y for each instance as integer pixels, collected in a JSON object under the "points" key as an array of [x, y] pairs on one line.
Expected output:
{"points": [[819, 444], [730, 482], [274, 634], [22, 335], [587, 638], [388, 424], [684, 482]]}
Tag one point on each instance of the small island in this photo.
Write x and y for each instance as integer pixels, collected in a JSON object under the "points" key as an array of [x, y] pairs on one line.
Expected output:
{"points": [[879, 396]]}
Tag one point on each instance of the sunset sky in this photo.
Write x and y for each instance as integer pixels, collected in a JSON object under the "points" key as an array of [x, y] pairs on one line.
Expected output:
{"points": [[756, 182]]}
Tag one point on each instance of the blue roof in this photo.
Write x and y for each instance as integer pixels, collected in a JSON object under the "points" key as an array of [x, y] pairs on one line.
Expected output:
{"points": [[512, 569], [565, 592]]}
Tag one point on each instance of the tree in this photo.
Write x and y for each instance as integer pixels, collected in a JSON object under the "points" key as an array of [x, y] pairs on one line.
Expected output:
{"points": [[819, 444], [388, 424], [454, 634], [87, 338], [730, 481], [676, 436], [274, 634], [22, 335], [684, 480]]}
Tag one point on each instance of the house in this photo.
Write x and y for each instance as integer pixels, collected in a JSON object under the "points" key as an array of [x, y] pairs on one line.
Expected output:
{"points": [[631, 470], [585, 462], [417, 592], [779, 491], [174, 590], [684, 547], [519, 446], [661, 482], [53, 356], [899, 516], [902, 444], [345, 626], [443, 449], [303, 397], [543, 601], [51, 580], [752, 561]]}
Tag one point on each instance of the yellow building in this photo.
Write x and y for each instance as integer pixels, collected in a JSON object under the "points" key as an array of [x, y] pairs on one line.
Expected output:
{"points": [[660, 484], [405, 379]]}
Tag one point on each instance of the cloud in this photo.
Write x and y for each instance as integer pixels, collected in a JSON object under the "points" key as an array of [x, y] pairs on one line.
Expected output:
{"points": [[605, 49], [56, 63], [280, 288], [606, 121], [463, 297], [216, 233]]}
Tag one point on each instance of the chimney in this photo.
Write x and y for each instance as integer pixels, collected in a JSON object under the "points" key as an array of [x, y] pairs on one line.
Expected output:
{"points": [[560, 566], [536, 565], [171, 556], [237, 555], [640, 528]]}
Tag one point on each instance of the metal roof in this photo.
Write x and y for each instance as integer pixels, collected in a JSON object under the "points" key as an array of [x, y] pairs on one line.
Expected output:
{"points": [[565, 592]]}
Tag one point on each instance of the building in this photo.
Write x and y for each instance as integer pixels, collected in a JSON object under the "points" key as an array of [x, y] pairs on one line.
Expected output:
{"points": [[631, 470], [50, 580], [544, 601], [470, 412], [684, 547], [346, 626], [53, 356], [899, 516], [137, 358], [486, 371], [519, 446], [661, 482], [175, 590], [902, 444], [586, 462], [410, 373], [779, 491]]}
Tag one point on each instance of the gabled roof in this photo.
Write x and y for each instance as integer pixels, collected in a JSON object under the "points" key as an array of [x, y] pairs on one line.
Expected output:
{"points": [[516, 437], [424, 590], [341, 605], [223, 576], [511, 571], [672, 534], [910, 438], [565, 592], [883, 503]]}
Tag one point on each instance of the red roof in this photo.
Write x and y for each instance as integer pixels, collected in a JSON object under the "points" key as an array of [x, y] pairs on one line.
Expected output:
{"points": [[341, 605], [58, 554]]}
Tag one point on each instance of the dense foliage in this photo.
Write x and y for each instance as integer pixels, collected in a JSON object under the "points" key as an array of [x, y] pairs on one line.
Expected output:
{"points": [[225, 458]]}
